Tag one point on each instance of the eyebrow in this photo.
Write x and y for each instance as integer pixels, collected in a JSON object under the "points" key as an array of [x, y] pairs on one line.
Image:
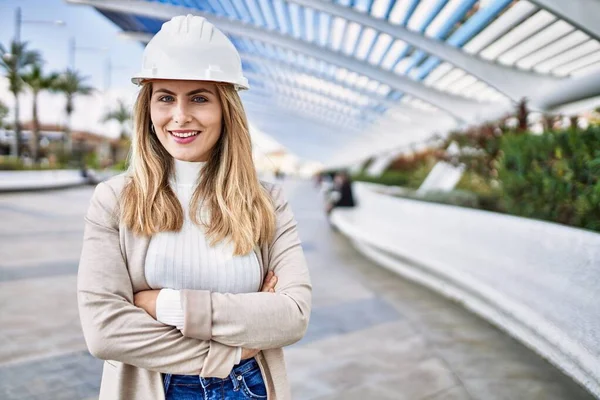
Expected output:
{"points": [[193, 92]]}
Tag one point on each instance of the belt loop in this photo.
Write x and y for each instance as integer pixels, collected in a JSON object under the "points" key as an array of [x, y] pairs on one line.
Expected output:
{"points": [[234, 379], [166, 381]]}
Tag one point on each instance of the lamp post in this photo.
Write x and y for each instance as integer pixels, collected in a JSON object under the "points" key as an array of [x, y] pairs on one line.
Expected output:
{"points": [[17, 39], [108, 73], [73, 48]]}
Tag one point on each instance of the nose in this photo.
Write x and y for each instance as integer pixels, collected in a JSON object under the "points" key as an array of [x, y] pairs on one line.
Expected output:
{"points": [[181, 113]]}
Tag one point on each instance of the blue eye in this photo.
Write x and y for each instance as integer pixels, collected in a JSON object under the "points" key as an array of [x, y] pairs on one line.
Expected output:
{"points": [[166, 98], [199, 99]]}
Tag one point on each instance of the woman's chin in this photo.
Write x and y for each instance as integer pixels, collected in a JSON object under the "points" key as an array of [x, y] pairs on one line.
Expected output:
{"points": [[189, 156]]}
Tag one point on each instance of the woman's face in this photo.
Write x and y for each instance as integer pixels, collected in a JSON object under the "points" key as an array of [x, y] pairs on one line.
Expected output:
{"points": [[187, 117]]}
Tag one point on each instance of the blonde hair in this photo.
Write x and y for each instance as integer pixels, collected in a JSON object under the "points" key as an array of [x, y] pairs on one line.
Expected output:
{"points": [[239, 206]]}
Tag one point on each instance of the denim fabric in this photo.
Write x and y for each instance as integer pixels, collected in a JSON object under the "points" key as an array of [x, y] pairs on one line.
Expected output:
{"points": [[244, 382]]}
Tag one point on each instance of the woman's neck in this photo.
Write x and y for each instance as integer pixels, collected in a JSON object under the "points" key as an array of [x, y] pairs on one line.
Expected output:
{"points": [[187, 172]]}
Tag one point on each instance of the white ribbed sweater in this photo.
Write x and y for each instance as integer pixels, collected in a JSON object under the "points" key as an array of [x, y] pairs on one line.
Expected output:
{"points": [[186, 260]]}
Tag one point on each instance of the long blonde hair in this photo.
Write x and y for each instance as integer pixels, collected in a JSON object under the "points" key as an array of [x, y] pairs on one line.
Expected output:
{"points": [[240, 208]]}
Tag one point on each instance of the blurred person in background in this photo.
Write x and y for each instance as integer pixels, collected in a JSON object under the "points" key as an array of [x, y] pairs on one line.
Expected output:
{"points": [[340, 194], [192, 276]]}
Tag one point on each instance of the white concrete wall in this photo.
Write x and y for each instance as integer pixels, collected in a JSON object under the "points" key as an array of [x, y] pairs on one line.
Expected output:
{"points": [[31, 180], [538, 281]]}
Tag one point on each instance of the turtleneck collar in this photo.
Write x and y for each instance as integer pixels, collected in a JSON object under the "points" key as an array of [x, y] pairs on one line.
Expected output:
{"points": [[187, 172]]}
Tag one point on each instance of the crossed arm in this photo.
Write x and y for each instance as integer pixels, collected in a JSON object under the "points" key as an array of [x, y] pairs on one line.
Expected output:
{"points": [[147, 300], [215, 324]]}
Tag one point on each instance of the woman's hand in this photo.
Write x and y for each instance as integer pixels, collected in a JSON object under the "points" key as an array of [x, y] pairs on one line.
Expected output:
{"points": [[146, 299], [269, 283], [268, 287]]}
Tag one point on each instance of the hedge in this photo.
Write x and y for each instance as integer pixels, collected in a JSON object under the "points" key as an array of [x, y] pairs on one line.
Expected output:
{"points": [[553, 177]]}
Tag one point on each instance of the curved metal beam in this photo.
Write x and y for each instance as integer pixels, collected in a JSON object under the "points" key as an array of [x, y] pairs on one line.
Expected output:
{"points": [[287, 65], [281, 93], [464, 109], [403, 108], [577, 89], [270, 100], [400, 113], [278, 82], [580, 13], [294, 110], [544, 98], [514, 83]]}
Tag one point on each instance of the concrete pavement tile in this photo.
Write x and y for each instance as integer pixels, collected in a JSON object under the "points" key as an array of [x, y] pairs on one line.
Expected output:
{"points": [[43, 323], [482, 360], [352, 374], [71, 376], [348, 317], [457, 333], [370, 341], [361, 393], [455, 393], [42, 270], [523, 389], [345, 289], [308, 390], [419, 380]]}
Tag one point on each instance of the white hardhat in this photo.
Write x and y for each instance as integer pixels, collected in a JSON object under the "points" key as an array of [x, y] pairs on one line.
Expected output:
{"points": [[191, 48]]}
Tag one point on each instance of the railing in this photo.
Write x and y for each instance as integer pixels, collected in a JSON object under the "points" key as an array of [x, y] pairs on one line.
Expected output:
{"points": [[538, 281]]}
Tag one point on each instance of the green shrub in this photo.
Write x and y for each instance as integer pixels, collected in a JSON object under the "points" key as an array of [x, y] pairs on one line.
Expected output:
{"points": [[553, 176], [389, 178], [460, 198], [14, 164], [121, 165], [488, 191], [91, 160], [410, 179]]}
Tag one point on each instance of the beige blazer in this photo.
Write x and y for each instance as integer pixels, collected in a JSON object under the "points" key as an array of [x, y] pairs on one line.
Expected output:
{"points": [[137, 348]]}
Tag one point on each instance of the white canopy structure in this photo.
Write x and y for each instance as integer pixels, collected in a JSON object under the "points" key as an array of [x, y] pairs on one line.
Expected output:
{"points": [[340, 80]]}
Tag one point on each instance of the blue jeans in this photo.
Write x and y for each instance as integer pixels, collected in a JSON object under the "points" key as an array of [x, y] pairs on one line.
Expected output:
{"points": [[244, 382]]}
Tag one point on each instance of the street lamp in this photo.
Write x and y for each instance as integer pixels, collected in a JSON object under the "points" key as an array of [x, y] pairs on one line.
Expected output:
{"points": [[19, 21], [108, 72], [9, 57], [73, 48]]}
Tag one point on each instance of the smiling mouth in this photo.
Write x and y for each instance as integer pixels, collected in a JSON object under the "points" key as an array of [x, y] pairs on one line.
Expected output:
{"points": [[184, 134]]}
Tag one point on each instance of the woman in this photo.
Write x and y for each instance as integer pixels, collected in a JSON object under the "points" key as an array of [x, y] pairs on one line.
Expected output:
{"points": [[192, 277]]}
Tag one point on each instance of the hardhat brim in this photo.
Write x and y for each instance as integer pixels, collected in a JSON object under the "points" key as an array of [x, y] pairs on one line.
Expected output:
{"points": [[139, 79]]}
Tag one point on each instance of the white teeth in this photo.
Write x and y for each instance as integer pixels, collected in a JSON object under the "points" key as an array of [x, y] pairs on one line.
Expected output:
{"points": [[184, 135]]}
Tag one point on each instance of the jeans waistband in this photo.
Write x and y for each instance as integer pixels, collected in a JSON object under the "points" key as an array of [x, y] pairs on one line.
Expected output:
{"points": [[242, 368]]}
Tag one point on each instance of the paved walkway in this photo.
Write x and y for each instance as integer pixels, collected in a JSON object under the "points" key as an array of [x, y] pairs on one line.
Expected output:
{"points": [[372, 335]]}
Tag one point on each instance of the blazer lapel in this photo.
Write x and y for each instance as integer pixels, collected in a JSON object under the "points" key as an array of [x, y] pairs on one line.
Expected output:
{"points": [[135, 249]]}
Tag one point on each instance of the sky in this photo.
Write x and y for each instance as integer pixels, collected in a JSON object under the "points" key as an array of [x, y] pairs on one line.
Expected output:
{"points": [[90, 30]]}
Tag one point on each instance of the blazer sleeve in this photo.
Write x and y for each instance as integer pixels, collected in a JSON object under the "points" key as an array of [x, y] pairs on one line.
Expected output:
{"points": [[258, 320], [113, 327]]}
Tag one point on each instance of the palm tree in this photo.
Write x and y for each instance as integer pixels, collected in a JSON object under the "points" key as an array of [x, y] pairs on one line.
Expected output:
{"points": [[122, 115], [3, 113], [70, 83], [38, 82], [15, 61]]}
